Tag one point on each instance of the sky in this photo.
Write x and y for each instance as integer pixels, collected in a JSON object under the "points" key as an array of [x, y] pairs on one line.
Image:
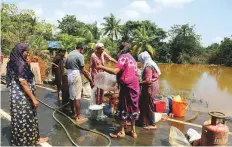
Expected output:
{"points": [[212, 18]]}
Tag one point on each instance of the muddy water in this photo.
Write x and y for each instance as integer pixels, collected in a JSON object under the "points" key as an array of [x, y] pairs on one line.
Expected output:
{"points": [[208, 87]]}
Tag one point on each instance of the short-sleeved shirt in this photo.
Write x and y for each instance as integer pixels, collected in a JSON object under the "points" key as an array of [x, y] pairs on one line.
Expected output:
{"points": [[75, 60]]}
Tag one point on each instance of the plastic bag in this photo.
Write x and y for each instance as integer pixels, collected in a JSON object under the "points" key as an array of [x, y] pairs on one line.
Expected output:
{"points": [[158, 116], [177, 138], [105, 81], [193, 135]]}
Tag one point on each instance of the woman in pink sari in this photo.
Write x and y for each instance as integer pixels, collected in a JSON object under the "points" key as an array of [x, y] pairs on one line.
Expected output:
{"points": [[150, 88], [98, 58], [128, 106]]}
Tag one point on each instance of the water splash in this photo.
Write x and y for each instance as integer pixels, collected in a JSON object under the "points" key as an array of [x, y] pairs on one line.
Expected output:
{"points": [[92, 97]]}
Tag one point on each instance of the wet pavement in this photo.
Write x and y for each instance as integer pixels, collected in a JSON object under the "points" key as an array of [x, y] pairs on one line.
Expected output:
{"points": [[49, 127]]}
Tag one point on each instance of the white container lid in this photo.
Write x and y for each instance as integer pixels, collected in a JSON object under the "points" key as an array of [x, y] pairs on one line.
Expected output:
{"points": [[95, 107]]}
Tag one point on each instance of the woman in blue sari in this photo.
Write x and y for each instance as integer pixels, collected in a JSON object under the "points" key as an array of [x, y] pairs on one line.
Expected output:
{"points": [[23, 103]]}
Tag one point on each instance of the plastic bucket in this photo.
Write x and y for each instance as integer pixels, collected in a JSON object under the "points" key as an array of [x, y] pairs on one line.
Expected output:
{"points": [[160, 106], [178, 108], [95, 111]]}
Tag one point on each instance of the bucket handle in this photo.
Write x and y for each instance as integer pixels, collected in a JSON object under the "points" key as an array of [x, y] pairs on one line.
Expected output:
{"points": [[217, 115]]}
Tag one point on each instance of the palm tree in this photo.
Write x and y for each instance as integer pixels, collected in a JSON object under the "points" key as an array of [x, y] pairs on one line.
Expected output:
{"points": [[94, 30], [141, 41], [111, 27]]}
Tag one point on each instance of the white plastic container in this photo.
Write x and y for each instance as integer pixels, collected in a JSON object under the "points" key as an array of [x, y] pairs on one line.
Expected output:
{"points": [[95, 111], [105, 81]]}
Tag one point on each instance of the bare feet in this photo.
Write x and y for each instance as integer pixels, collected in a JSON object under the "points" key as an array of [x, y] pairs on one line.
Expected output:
{"points": [[81, 118], [164, 117], [118, 135], [132, 134], [54, 91], [42, 140], [171, 115]]}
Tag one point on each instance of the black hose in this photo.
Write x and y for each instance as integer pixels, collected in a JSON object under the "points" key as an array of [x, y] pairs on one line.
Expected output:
{"points": [[66, 131]]}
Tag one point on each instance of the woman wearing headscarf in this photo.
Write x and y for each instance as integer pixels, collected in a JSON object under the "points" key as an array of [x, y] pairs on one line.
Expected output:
{"points": [[150, 87], [98, 58], [127, 74], [23, 103]]}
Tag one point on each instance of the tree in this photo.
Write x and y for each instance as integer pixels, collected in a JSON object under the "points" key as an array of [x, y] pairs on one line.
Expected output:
{"points": [[224, 55], [37, 43], [111, 27], [141, 41], [164, 53], [22, 26], [71, 26], [152, 30], [94, 30], [17, 25], [44, 29], [185, 43], [68, 41], [213, 47], [127, 30]]}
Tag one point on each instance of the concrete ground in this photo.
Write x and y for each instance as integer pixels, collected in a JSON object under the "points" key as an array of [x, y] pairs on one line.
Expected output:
{"points": [[49, 127]]}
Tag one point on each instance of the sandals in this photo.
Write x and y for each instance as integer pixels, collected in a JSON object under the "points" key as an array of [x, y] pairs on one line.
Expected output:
{"points": [[118, 135]]}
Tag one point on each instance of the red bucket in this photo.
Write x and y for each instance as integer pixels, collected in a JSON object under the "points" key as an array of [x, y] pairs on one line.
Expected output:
{"points": [[160, 106]]}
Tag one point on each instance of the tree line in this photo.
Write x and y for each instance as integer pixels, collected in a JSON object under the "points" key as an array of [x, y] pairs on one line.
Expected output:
{"points": [[181, 44]]}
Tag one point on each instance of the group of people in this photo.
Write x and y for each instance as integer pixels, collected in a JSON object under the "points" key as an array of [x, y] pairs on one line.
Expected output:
{"points": [[68, 76], [134, 104], [136, 99]]}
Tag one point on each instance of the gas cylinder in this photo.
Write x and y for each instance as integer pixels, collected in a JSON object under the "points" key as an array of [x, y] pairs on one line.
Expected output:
{"points": [[215, 132]]}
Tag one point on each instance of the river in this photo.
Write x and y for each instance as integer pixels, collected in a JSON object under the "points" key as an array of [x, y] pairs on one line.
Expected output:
{"points": [[209, 88]]}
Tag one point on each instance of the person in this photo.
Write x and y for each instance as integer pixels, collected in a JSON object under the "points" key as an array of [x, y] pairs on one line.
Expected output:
{"points": [[23, 103], [64, 86], [127, 74], [58, 65], [150, 87], [98, 58], [75, 66]]}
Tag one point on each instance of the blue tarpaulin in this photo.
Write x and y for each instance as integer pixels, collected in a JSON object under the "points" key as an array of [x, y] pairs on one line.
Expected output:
{"points": [[54, 45]]}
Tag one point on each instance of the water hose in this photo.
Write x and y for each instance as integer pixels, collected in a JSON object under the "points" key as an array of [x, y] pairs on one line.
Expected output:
{"points": [[66, 131]]}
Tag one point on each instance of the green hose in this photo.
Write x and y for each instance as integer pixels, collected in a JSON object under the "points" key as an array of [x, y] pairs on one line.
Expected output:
{"points": [[66, 131]]}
